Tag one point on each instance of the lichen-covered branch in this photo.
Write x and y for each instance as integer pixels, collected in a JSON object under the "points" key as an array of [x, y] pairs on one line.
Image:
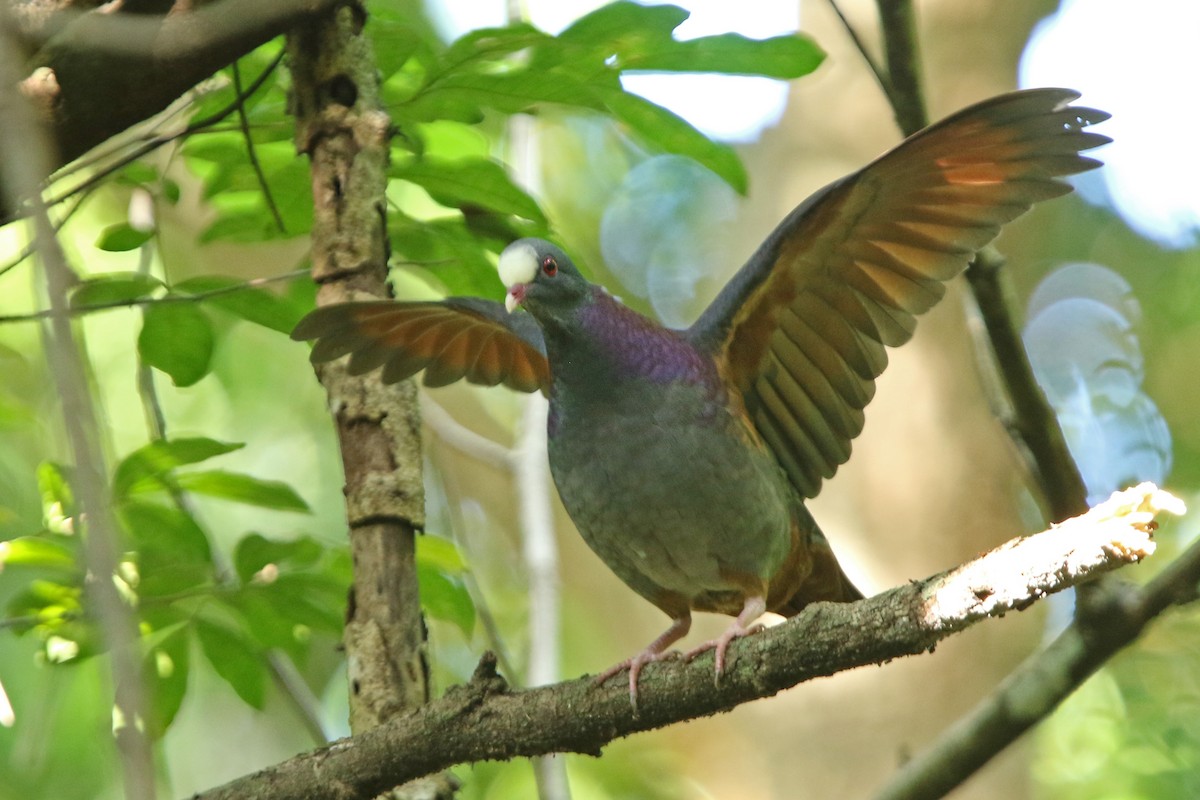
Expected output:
{"points": [[486, 720], [1046, 678]]}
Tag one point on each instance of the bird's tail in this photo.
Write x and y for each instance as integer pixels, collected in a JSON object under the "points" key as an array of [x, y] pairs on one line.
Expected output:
{"points": [[826, 582]]}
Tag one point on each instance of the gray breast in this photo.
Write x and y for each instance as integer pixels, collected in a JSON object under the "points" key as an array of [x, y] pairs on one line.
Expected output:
{"points": [[662, 488]]}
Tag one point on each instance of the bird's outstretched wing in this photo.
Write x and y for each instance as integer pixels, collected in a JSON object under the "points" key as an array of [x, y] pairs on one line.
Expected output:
{"points": [[459, 337], [800, 330]]}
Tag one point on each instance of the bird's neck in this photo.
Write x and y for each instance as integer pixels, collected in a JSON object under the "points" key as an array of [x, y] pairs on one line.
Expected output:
{"points": [[604, 344]]}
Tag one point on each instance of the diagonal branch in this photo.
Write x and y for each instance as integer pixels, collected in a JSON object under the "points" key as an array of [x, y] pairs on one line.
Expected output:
{"points": [[486, 720], [1043, 681]]}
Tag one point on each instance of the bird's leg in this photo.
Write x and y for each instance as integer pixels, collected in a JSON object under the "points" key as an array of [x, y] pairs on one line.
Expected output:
{"points": [[655, 651], [753, 608]]}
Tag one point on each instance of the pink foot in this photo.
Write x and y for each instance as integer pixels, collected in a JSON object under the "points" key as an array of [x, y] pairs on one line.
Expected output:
{"points": [[655, 651], [740, 627]]}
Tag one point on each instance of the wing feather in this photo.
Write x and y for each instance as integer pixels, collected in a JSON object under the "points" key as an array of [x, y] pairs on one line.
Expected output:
{"points": [[801, 330], [451, 340]]}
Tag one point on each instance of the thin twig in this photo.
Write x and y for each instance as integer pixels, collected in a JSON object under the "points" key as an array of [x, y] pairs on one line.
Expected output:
{"points": [[253, 283], [155, 142], [880, 75], [24, 160], [251, 152]]}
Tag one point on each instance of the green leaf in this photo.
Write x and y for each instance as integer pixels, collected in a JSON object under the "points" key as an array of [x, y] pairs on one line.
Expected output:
{"points": [[178, 339], [122, 237], [620, 23], [118, 287], [236, 659], [470, 182], [673, 134], [446, 252], [165, 669], [489, 44], [254, 551], [154, 461], [459, 96], [54, 485], [265, 622], [137, 173], [445, 597], [441, 554], [782, 57], [173, 553], [315, 600], [37, 551], [243, 489], [251, 303]]}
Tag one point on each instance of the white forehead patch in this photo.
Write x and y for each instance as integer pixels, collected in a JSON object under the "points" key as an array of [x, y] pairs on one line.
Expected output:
{"points": [[518, 264]]}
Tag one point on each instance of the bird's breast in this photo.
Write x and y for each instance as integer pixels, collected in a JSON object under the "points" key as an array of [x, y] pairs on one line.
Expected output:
{"points": [[662, 483]]}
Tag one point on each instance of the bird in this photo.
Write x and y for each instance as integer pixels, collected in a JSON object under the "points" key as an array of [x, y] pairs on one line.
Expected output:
{"points": [[684, 457]]}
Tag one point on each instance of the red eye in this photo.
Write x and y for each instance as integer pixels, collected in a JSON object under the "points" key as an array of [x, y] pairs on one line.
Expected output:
{"points": [[550, 266]]}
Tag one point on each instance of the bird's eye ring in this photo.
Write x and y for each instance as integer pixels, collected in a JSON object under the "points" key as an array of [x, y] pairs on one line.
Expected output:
{"points": [[549, 266]]}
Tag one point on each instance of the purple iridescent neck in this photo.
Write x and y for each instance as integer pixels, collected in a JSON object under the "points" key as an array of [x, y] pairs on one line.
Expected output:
{"points": [[637, 347]]}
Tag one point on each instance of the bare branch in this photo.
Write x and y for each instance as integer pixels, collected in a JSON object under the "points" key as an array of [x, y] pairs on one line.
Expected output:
{"points": [[1046, 678], [486, 720]]}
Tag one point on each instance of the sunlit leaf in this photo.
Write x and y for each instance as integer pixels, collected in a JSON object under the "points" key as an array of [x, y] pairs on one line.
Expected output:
{"points": [[178, 339], [251, 303], [236, 659], [492, 43], [156, 459], [254, 551], [470, 182], [137, 173], [673, 134], [446, 598], [439, 553], [173, 552], [165, 668], [733, 54], [118, 287], [54, 485], [122, 237], [37, 551], [243, 489]]}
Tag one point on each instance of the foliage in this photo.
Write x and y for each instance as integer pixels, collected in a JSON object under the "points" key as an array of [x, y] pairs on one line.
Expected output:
{"points": [[207, 584]]}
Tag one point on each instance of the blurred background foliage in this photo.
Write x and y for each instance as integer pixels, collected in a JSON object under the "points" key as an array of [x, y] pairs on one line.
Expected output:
{"points": [[224, 468]]}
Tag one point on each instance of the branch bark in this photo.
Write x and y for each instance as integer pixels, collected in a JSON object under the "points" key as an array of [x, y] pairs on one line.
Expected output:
{"points": [[1044, 680], [342, 128], [485, 720], [97, 74]]}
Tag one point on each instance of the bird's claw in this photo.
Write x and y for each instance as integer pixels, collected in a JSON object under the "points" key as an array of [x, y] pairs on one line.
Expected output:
{"points": [[634, 665], [721, 644]]}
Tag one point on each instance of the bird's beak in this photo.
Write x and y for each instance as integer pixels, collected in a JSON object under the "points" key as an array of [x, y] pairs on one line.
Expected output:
{"points": [[515, 296]]}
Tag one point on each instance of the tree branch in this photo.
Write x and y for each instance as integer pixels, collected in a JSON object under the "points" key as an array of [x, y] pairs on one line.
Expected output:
{"points": [[341, 126], [100, 73], [1044, 680], [485, 720]]}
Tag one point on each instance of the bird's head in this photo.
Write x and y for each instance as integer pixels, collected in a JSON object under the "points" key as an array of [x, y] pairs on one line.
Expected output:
{"points": [[541, 277]]}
